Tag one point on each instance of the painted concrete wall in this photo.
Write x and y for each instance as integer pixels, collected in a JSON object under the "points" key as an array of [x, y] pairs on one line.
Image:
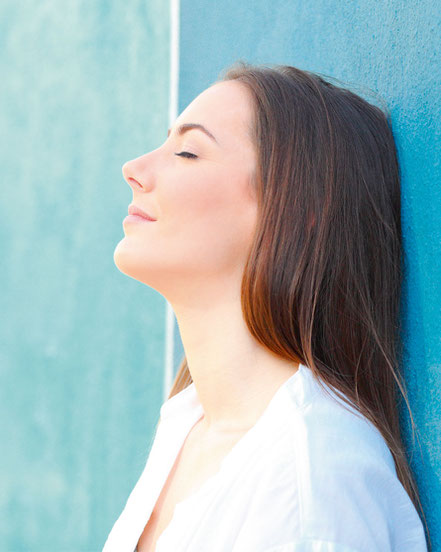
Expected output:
{"points": [[84, 89], [393, 48]]}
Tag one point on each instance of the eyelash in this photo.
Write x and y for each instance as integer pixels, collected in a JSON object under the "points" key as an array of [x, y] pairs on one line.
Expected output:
{"points": [[187, 155]]}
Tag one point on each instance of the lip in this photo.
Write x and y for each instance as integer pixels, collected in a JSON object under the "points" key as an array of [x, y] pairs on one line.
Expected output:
{"points": [[134, 210]]}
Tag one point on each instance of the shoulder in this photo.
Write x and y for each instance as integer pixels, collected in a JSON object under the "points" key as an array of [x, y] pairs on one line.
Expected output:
{"points": [[329, 435], [335, 433], [331, 481]]}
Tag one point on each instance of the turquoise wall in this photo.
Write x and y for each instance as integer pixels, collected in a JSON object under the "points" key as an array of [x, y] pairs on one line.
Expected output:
{"points": [[393, 48], [85, 88]]}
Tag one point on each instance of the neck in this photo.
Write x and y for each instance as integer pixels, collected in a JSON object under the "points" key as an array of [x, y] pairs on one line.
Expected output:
{"points": [[235, 377]]}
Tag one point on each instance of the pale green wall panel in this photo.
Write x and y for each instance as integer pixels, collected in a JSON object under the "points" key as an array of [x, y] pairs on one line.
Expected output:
{"points": [[85, 87]]}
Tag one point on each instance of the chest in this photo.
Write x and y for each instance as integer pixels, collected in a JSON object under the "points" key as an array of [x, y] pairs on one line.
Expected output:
{"points": [[196, 462]]}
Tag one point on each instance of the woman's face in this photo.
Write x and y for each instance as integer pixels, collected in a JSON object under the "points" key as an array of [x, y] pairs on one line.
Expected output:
{"points": [[203, 203]]}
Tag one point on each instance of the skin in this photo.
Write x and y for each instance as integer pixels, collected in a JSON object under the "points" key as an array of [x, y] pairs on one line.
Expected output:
{"points": [[195, 252]]}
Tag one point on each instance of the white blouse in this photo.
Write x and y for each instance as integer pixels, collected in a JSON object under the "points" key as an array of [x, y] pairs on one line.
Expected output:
{"points": [[309, 476]]}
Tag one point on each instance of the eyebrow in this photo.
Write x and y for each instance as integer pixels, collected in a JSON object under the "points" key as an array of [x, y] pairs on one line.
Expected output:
{"points": [[185, 127]]}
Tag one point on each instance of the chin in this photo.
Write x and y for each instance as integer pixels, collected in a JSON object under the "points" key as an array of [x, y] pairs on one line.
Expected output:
{"points": [[130, 261], [126, 261]]}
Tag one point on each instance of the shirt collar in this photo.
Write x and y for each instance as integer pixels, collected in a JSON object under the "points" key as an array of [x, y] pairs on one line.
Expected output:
{"points": [[186, 402]]}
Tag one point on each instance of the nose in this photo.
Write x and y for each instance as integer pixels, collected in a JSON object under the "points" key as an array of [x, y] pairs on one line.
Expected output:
{"points": [[138, 174]]}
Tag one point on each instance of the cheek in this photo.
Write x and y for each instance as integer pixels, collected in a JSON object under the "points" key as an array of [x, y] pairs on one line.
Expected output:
{"points": [[211, 221]]}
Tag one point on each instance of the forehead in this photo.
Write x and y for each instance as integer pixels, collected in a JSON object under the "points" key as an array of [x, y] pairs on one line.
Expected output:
{"points": [[225, 109]]}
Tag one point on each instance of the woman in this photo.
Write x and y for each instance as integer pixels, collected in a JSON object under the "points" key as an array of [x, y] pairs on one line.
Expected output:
{"points": [[276, 239]]}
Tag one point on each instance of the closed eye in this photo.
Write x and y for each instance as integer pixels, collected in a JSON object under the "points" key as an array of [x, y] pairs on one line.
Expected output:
{"points": [[186, 154]]}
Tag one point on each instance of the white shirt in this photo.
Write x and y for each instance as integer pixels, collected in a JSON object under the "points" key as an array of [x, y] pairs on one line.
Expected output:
{"points": [[309, 476]]}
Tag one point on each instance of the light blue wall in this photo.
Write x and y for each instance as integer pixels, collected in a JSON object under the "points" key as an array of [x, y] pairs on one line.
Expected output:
{"points": [[84, 88], [392, 47]]}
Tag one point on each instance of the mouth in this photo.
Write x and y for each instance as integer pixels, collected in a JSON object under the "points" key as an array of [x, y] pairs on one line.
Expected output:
{"points": [[136, 212]]}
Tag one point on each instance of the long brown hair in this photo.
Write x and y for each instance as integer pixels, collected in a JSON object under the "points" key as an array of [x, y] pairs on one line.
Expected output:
{"points": [[323, 278]]}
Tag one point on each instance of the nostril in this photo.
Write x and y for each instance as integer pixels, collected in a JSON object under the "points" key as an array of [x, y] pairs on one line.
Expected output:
{"points": [[131, 181]]}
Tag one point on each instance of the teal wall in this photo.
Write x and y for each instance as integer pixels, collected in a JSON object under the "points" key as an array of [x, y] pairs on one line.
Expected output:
{"points": [[393, 48], [84, 88]]}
